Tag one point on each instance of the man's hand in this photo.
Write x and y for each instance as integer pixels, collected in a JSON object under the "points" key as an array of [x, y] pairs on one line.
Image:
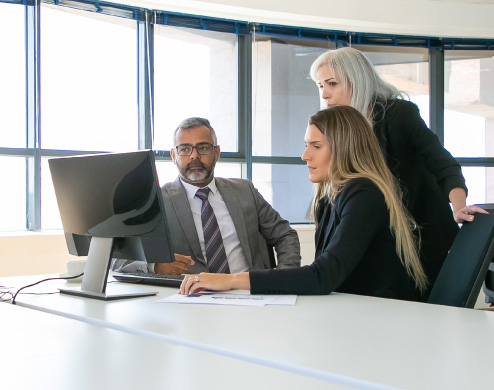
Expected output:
{"points": [[178, 267]]}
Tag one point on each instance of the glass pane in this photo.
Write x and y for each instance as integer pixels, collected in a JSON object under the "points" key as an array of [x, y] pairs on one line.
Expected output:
{"points": [[228, 170], [195, 74], [405, 68], [167, 172], [13, 196], [286, 187], [12, 77], [88, 77], [283, 94], [469, 103], [480, 183], [50, 215]]}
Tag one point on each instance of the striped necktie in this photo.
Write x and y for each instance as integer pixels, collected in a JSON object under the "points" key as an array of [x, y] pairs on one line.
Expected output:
{"points": [[215, 251]]}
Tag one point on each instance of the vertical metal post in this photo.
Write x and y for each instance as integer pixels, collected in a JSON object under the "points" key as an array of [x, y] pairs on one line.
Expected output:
{"points": [[33, 134], [244, 55], [436, 82], [145, 81]]}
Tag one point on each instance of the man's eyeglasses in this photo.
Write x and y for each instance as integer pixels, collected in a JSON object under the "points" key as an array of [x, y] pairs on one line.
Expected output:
{"points": [[202, 148]]}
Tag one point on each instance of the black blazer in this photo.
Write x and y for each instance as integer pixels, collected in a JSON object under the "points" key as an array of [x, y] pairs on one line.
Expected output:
{"points": [[427, 173], [355, 252]]}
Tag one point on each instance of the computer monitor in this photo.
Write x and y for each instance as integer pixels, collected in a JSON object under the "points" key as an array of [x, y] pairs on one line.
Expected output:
{"points": [[111, 207]]}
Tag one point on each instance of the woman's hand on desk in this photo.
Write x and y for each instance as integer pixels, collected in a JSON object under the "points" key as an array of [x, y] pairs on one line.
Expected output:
{"points": [[177, 267], [216, 282]]}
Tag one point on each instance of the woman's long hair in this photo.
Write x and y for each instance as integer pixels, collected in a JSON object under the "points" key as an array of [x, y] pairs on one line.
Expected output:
{"points": [[356, 73], [355, 153]]}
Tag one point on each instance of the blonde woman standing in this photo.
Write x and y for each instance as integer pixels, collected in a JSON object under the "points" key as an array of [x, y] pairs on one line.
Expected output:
{"points": [[364, 240]]}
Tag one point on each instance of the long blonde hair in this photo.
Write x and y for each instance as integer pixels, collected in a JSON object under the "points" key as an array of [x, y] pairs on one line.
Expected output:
{"points": [[355, 153]]}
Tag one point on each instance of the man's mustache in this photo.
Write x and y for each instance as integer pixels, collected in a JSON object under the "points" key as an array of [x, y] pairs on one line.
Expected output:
{"points": [[195, 164]]}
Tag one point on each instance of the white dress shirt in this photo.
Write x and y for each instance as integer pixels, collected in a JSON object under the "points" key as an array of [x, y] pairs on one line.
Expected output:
{"points": [[231, 242]]}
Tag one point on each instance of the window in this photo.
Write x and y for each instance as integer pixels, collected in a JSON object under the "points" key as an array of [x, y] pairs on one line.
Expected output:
{"points": [[284, 95], [13, 194], [469, 116], [285, 187], [195, 74], [88, 81], [12, 77], [91, 64], [469, 103], [480, 183], [405, 68]]}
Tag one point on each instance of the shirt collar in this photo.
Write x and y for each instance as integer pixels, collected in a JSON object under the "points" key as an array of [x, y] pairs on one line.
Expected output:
{"points": [[191, 189]]}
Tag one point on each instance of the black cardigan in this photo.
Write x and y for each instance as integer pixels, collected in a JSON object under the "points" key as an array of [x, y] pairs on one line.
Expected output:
{"points": [[355, 252], [427, 173]]}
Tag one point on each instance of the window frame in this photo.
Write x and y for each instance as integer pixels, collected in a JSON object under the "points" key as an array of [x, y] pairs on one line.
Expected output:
{"points": [[146, 20]]}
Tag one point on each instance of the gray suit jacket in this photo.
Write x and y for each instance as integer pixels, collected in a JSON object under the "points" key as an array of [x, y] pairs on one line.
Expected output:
{"points": [[256, 223]]}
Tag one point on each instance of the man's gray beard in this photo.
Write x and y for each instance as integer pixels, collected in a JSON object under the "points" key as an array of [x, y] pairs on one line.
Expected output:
{"points": [[195, 177]]}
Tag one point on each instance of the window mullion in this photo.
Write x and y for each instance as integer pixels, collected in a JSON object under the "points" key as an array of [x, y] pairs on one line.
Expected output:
{"points": [[33, 136], [436, 72], [245, 100], [145, 81]]}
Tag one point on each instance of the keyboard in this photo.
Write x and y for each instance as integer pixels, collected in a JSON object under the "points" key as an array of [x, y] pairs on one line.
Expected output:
{"points": [[150, 278]]}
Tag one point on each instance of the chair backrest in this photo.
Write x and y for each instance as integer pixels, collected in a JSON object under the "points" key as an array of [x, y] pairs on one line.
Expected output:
{"points": [[464, 270], [488, 286]]}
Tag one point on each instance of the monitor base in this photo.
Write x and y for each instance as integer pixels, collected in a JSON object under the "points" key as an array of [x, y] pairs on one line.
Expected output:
{"points": [[110, 295]]}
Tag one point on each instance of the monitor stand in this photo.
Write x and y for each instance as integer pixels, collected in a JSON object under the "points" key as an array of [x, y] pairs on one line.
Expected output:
{"points": [[94, 281]]}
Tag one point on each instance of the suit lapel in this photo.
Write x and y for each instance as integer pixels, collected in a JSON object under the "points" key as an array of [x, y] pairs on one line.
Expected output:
{"points": [[325, 228], [329, 230], [234, 208], [180, 203]]}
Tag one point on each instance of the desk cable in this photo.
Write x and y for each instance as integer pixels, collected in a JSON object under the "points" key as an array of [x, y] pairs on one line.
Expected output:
{"points": [[14, 296], [4, 291]]}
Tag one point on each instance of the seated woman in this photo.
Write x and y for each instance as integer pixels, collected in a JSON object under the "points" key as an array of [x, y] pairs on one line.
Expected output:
{"points": [[365, 242]]}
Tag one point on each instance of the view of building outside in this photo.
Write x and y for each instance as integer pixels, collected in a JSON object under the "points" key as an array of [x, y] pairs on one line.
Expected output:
{"points": [[284, 95], [195, 75], [283, 98], [12, 117], [469, 117], [88, 81]]}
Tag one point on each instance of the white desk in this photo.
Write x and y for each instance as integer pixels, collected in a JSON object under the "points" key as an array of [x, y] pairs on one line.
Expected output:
{"points": [[43, 351], [359, 341]]}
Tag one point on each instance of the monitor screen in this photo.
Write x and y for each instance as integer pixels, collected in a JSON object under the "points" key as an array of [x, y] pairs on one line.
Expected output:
{"points": [[111, 207]]}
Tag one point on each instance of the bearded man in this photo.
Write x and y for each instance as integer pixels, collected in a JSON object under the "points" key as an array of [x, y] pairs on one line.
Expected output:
{"points": [[216, 224]]}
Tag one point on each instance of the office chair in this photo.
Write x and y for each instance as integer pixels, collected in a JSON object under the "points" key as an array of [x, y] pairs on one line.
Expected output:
{"points": [[465, 268], [488, 286], [272, 257]]}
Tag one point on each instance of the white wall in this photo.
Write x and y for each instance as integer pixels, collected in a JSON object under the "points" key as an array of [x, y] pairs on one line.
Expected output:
{"points": [[41, 253], [434, 18], [33, 254]]}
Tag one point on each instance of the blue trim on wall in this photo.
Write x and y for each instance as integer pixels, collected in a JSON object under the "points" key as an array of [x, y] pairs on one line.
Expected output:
{"points": [[237, 27], [202, 23], [21, 2]]}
